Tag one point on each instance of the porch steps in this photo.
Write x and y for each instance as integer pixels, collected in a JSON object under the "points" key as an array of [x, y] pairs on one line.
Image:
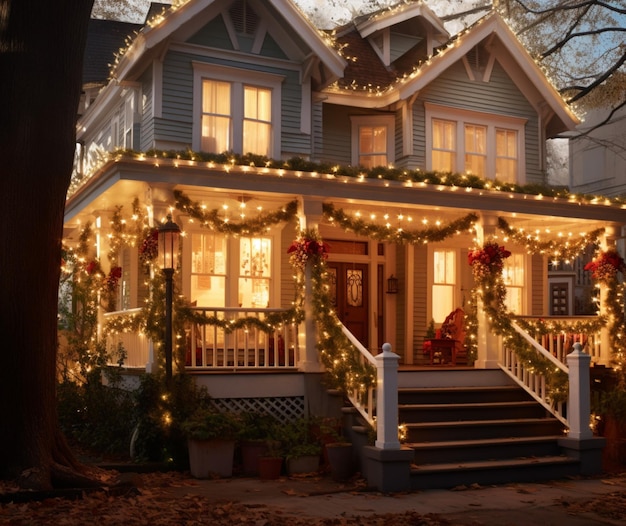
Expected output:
{"points": [[479, 434]]}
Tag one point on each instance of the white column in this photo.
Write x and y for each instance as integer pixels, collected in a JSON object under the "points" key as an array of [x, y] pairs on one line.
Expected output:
{"points": [[488, 344], [387, 399], [578, 403], [311, 214]]}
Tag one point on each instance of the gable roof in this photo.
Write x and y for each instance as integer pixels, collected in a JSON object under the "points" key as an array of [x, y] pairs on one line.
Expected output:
{"points": [[155, 35], [415, 71], [104, 39]]}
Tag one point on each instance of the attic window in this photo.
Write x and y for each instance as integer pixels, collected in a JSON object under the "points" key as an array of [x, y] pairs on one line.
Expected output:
{"points": [[243, 17]]}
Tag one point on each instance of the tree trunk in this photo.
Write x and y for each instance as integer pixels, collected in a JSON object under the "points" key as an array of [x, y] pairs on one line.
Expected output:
{"points": [[41, 56]]}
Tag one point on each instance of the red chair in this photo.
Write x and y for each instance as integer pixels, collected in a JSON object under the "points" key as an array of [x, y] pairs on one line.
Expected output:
{"points": [[449, 340]]}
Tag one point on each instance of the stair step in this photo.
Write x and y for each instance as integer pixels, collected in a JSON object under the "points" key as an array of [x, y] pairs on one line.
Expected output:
{"points": [[482, 429], [484, 449], [451, 474], [470, 411], [443, 395]]}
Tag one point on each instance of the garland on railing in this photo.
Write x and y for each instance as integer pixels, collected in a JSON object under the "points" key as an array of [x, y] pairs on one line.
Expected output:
{"points": [[397, 235], [342, 361], [249, 227], [487, 264], [566, 249]]}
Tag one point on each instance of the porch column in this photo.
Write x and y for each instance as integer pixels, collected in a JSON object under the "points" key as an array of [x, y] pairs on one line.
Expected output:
{"points": [[310, 217], [611, 233], [488, 344], [579, 398]]}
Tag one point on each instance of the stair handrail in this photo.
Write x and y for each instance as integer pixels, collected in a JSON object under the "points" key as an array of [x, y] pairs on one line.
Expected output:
{"points": [[539, 348], [363, 402], [532, 382]]}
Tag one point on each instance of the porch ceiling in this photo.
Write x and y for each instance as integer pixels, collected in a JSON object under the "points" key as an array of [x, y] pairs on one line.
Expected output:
{"points": [[380, 201]]}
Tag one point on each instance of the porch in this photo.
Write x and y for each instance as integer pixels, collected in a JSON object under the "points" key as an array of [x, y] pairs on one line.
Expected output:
{"points": [[248, 367]]}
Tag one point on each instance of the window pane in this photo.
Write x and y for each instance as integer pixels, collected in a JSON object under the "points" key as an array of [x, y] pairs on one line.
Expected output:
{"points": [[255, 271], [257, 125], [444, 146], [216, 121], [216, 97], [372, 146], [443, 302], [506, 155], [475, 149], [444, 266], [256, 138], [208, 269], [215, 134]]}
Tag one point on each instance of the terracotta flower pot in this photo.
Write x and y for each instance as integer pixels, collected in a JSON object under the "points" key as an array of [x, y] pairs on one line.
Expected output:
{"points": [[270, 467]]}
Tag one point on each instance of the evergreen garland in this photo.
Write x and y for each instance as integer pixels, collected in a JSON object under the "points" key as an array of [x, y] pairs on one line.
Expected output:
{"points": [[249, 227], [555, 249], [397, 235]]}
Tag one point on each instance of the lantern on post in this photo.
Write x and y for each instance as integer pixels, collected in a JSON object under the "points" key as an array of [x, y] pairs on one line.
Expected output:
{"points": [[169, 233]]}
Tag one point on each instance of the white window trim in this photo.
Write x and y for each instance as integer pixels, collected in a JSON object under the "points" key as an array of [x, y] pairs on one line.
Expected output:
{"points": [[373, 120], [238, 78], [491, 120]]}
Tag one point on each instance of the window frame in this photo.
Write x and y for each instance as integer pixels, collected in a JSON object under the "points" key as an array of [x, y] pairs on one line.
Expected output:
{"points": [[373, 121], [492, 122], [238, 78]]}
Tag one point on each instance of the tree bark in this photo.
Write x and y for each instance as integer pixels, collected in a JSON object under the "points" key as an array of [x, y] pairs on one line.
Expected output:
{"points": [[41, 56]]}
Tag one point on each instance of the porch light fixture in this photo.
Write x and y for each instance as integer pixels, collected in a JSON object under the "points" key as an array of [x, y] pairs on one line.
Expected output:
{"points": [[169, 233], [392, 285]]}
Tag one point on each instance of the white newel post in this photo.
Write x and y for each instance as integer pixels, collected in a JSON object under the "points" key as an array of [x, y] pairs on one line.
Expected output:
{"points": [[578, 404], [387, 399]]}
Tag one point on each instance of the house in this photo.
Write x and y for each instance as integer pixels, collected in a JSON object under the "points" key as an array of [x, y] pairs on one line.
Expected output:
{"points": [[397, 148]]}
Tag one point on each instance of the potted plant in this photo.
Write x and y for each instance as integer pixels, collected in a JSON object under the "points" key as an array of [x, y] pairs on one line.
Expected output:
{"points": [[211, 439], [337, 449], [612, 408], [256, 430], [271, 461], [302, 449]]}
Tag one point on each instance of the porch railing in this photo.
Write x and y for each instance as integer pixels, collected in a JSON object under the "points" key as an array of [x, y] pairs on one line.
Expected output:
{"points": [[364, 400], [554, 347], [135, 343], [213, 346]]}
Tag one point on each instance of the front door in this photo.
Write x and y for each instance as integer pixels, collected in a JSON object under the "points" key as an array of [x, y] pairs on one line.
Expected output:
{"points": [[349, 293]]}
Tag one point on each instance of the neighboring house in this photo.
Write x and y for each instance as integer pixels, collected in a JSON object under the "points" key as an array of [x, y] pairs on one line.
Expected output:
{"points": [[598, 154], [391, 93]]}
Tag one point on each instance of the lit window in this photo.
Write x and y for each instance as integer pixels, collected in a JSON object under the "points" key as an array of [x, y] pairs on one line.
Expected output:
{"points": [[236, 110], [216, 119], [444, 146], [208, 270], [257, 123], [254, 272], [475, 149], [513, 276], [372, 140], [372, 146], [444, 281], [506, 155], [482, 144]]}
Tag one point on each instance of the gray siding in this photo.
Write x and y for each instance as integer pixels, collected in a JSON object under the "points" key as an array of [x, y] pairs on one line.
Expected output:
{"points": [[336, 140], [213, 34], [420, 307], [287, 283], [538, 270], [147, 112]]}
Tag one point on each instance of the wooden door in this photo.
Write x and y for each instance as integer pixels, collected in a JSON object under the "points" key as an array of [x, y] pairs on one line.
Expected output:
{"points": [[349, 294]]}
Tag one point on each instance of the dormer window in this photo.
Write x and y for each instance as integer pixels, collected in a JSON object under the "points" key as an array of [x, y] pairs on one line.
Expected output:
{"points": [[236, 110], [372, 140]]}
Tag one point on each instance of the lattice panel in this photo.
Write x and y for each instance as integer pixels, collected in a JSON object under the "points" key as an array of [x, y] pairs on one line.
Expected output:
{"points": [[284, 409]]}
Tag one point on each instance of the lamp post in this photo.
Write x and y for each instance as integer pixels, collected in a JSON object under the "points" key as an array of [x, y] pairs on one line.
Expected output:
{"points": [[169, 233]]}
